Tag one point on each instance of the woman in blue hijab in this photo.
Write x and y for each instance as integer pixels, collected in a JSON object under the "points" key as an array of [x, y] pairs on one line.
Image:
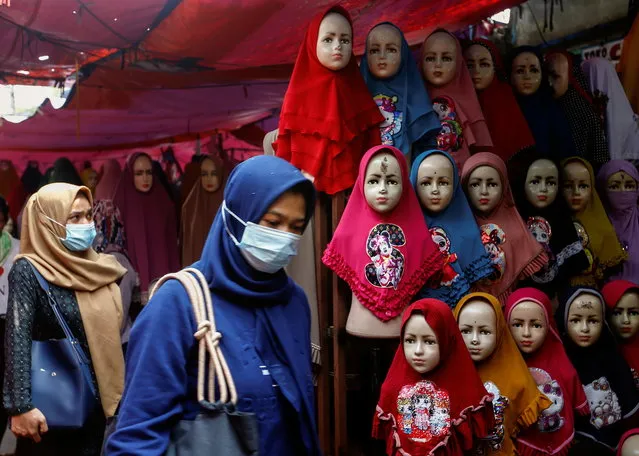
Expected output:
{"points": [[263, 316]]}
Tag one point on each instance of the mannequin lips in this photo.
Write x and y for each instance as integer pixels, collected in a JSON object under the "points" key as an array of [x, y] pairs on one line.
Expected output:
{"points": [[145, 186], [438, 74], [419, 361], [382, 199], [584, 339], [337, 57], [381, 65], [626, 329], [575, 201], [474, 351], [542, 197], [435, 200], [526, 343], [484, 201]]}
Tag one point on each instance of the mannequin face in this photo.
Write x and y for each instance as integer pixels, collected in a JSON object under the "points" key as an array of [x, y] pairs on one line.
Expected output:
{"points": [[384, 49], [421, 348], [621, 182], [81, 212], [558, 74], [528, 326], [383, 183], [484, 188], [526, 73], [143, 174], [542, 183], [585, 320], [577, 186], [435, 182], [334, 42], [480, 65], [631, 446], [625, 316], [440, 59], [478, 325], [210, 176]]}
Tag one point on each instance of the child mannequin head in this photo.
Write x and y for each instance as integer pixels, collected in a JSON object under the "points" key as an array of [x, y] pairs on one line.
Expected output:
{"points": [[421, 347], [334, 42], [478, 324]]}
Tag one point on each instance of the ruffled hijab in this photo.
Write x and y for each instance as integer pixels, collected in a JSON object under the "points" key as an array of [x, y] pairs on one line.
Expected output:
{"points": [[515, 253], [457, 413], [384, 258], [507, 125], [90, 275], [109, 177], [597, 235], [557, 379], [623, 212], [328, 117], [516, 400], [454, 230], [402, 100], [456, 103]]}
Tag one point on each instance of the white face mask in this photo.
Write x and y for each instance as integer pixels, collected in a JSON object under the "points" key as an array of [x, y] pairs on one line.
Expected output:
{"points": [[265, 249]]}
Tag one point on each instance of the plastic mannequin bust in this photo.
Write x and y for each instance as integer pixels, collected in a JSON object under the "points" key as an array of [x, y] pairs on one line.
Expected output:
{"points": [[143, 174], [383, 190], [577, 186], [526, 73], [558, 70], [621, 182], [384, 49], [209, 174], [334, 42], [421, 347], [542, 183], [585, 320], [478, 325], [624, 318], [480, 65], [435, 183], [528, 326], [440, 59], [484, 189], [631, 446]]}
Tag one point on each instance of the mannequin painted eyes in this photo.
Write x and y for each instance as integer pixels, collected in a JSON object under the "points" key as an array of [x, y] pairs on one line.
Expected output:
{"points": [[625, 315], [558, 74], [478, 325], [484, 188], [585, 320], [435, 182], [621, 182], [143, 174], [209, 176], [480, 65], [287, 213], [383, 183], [334, 42], [526, 73], [384, 50], [577, 186], [440, 59], [542, 182], [528, 326], [421, 348]]}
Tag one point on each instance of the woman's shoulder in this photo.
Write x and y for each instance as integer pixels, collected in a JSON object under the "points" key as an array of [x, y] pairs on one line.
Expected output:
{"points": [[170, 301], [22, 270]]}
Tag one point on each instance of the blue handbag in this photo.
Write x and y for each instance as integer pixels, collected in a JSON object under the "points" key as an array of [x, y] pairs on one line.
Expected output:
{"points": [[61, 383]]}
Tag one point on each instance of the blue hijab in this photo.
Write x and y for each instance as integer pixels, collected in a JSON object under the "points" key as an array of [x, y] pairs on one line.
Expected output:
{"points": [[457, 224], [402, 100]]}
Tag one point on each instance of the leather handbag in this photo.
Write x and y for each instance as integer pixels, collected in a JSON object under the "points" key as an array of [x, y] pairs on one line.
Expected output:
{"points": [[61, 382]]}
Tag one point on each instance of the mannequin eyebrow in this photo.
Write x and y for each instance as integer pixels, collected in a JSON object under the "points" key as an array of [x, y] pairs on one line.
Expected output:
{"points": [[343, 35]]}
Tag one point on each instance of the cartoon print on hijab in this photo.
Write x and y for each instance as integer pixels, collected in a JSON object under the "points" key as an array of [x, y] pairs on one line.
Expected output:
{"points": [[440, 238], [451, 137], [423, 411], [583, 237], [496, 438], [604, 404], [387, 267], [393, 118], [493, 237], [541, 231], [550, 419]]}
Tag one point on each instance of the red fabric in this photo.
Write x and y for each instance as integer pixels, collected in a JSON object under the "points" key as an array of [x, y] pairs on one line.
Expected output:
{"points": [[612, 293], [551, 358], [507, 125], [16, 200], [328, 118], [470, 410], [354, 252]]}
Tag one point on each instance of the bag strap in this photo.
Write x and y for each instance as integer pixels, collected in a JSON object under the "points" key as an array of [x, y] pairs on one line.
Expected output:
{"points": [[208, 337]]}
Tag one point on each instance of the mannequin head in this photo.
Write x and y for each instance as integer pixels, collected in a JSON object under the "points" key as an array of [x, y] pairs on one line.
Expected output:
{"points": [[334, 42], [421, 347], [384, 49], [210, 175], [439, 63], [621, 182], [478, 324], [383, 182], [577, 186], [542, 183], [143, 173], [484, 188], [526, 73], [5, 165], [585, 320], [528, 326], [630, 446], [624, 318], [480, 65], [435, 183], [558, 74]]}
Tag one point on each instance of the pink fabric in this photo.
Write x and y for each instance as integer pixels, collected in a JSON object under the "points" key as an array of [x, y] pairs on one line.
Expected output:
{"points": [[109, 177], [383, 280]]}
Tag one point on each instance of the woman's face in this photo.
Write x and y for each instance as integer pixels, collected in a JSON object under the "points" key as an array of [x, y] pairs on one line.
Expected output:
{"points": [[585, 320], [209, 176], [542, 182], [384, 50], [478, 324], [528, 326], [484, 188], [383, 183], [440, 59], [480, 65], [526, 73], [435, 182], [287, 213], [81, 212], [421, 347], [577, 186], [143, 174], [334, 42]]}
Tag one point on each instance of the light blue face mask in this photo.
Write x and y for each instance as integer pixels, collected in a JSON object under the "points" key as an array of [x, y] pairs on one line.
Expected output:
{"points": [[265, 249], [79, 237]]}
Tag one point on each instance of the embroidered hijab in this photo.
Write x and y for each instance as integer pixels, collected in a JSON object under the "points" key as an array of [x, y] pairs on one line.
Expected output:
{"points": [[384, 258], [455, 232], [110, 235], [328, 117], [458, 413]]}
